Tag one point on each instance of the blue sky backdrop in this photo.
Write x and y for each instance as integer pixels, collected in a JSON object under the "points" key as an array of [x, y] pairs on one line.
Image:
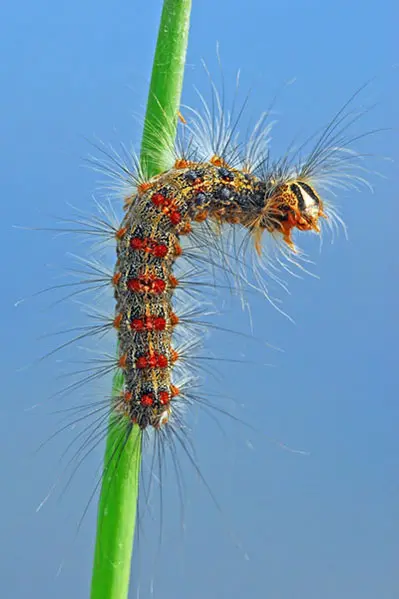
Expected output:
{"points": [[323, 525]]}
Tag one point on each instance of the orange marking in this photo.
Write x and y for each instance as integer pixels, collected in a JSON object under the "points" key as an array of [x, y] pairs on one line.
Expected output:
{"points": [[117, 321], [169, 206], [116, 278], [218, 161], [174, 319], [182, 163], [201, 216], [174, 390], [173, 282], [185, 229], [120, 232], [174, 356], [122, 362], [178, 249], [143, 187]]}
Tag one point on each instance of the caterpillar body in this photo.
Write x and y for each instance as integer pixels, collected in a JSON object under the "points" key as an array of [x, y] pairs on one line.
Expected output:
{"points": [[148, 244]]}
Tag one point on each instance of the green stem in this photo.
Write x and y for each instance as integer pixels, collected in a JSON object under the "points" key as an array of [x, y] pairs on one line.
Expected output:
{"points": [[165, 88], [120, 484]]}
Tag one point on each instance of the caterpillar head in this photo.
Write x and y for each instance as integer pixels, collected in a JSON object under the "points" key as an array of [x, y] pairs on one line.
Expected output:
{"points": [[290, 205]]}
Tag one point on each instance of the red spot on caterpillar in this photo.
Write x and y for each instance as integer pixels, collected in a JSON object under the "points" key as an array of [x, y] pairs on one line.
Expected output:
{"points": [[159, 250], [149, 323], [116, 278], [146, 284], [158, 286], [136, 243], [163, 397], [141, 362], [117, 321], [159, 323], [168, 206], [175, 217], [147, 399], [152, 360], [122, 362], [197, 181], [159, 200], [137, 324], [120, 232], [134, 285], [162, 361], [156, 323]]}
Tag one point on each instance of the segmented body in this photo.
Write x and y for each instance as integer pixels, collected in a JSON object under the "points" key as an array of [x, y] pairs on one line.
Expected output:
{"points": [[148, 244]]}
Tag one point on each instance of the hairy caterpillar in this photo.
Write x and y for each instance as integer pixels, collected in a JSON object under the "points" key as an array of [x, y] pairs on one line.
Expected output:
{"points": [[148, 244], [228, 185]]}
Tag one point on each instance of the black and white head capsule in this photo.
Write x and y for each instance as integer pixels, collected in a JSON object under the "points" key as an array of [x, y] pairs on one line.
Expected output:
{"points": [[308, 200]]}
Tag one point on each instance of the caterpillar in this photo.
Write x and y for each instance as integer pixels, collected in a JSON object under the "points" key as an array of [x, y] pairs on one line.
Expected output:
{"points": [[215, 183], [148, 244]]}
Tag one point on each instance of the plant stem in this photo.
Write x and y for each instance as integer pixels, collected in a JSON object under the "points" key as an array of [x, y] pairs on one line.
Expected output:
{"points": [[165, 88], [117, 506]]}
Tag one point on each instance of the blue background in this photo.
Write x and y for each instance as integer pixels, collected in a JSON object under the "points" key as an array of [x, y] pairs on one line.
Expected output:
{"points": [[318, 525]]}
